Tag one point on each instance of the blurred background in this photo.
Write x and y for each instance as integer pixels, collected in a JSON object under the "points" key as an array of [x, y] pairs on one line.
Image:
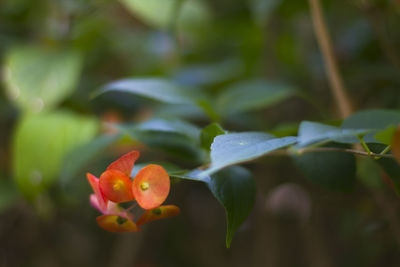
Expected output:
{"points": [[56, 54]]}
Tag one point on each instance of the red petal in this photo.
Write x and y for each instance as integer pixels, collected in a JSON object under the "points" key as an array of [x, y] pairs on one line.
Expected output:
{"points": [[125, 163], [101, 199], [115, 223], [158, 213], [151, 186], [116, 186]]}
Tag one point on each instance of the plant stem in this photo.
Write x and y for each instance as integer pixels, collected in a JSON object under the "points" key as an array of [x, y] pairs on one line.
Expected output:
{"points": [[134, 205], [384, 151], [365, 146], [285, 152], [325, 43]]}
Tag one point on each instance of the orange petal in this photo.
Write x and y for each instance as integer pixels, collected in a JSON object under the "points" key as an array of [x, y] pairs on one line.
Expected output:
{"points": [[116, 186], [396, 144], [158, 213], [115, 223], [151, 186], [94, 182], [125, 163]]}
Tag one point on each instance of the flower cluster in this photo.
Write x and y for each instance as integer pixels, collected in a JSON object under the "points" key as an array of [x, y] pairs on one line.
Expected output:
{"points": [[149, 188]]}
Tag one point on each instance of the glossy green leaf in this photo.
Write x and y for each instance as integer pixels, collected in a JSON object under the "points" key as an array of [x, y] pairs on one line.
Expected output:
{"points": [[175, 137], [38, 79], [208, 134], [317, 133], [375, 119], [41, 142], [235, 148], [251, 95], [170, 126], [332, 170], [235, 189], [185, 111], [154, 88]]}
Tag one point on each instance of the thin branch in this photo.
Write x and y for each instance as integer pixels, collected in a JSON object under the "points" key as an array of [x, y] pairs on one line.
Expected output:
{"points": [[330, 149], [352, 151], [287, 152], [325, 43]]}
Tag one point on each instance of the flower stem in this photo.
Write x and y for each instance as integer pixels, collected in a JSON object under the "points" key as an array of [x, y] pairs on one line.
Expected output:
{"points": [[365, 146]]}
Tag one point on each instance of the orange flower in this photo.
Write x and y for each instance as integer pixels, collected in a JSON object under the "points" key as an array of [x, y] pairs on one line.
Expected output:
{"points": [[150, 188]]}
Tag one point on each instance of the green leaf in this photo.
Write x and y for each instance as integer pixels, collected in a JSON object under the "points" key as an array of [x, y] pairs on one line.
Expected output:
{"points": [[162, 14], [154, 88], [317, 133], [211, 73], [38, 79], [178, 138], [170, 126], [386, 136], [155, 12], [375, 119], [162, 90], [208, 134], [185, 175], [40, 145], [234, 188], [235, 148], [194, 17], [332, 170], [251, 95]]}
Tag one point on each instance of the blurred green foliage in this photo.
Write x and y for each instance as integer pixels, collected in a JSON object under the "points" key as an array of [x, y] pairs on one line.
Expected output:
{"points": [[200, 86]]}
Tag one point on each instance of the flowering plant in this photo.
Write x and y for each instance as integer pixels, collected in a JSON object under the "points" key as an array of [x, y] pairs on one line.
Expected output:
{"points": [[149, 189]]}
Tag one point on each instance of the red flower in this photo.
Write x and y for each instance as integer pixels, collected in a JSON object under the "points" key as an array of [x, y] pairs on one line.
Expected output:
{"points": [[149, 188]]}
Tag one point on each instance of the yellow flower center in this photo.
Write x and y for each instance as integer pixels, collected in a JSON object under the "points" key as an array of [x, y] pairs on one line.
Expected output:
{"points": [[144, 186], [118, 185]]}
